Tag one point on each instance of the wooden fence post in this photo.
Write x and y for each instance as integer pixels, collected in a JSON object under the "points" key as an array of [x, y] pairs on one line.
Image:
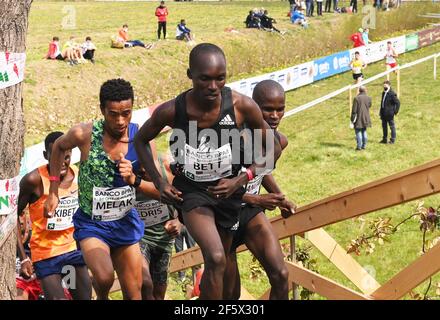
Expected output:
{"points": [[293, 259]]}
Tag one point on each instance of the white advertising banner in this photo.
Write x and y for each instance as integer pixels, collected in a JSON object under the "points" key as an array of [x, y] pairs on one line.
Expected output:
{"points": [[11, 68]]}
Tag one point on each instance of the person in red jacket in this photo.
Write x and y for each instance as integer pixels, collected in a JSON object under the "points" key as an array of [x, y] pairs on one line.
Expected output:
{"points": [[161, 14], [357, 39]]}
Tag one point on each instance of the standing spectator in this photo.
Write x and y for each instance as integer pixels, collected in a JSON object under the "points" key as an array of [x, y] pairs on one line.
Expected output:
{"points": [[356, 66], [310, 8], [390, 58], [365, 37], [354, 5], [161, 14], [360, 117], [357, 38], [319, 7], [328, 5], [178, 244], [88, 50], [389, 107], [183, 32], [335, 5]]}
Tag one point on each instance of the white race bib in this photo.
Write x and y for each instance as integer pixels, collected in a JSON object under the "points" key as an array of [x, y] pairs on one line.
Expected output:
{"points": [[253, 186], [152, 212], [210, 165], [113, 203], [62, 218]]}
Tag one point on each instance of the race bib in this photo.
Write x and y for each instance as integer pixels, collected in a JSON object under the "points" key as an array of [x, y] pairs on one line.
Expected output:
{"points": [[253, 186], [111, 204], [152, 212], [62, 218], [209, 165]]}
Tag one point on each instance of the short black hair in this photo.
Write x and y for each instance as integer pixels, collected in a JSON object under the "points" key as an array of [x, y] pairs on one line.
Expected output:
{"points": [[387, 82], [88, 38], [115, 90], [357, 52], [51, 138], [125, 25], [56, 39], [203, 48]]}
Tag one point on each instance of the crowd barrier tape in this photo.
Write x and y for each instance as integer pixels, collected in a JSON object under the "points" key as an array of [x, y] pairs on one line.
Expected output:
{"points": [[290, 78]]}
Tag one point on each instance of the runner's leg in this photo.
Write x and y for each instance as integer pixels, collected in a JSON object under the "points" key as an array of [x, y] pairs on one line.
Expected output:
{"points": [[200, 223], [261, 240], [96, 254], [128, 265]]}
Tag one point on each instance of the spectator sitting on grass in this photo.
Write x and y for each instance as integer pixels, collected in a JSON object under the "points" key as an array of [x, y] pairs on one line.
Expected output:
{"points": [[299, 18], [267, 22], [183, 32], [54, 51], [74, 51], [88, 50], [252, 21], [123, 38]]}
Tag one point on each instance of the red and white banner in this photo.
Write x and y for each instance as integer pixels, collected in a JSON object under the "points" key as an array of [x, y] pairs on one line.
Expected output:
{"points": [[9, 190], [11, 68]]}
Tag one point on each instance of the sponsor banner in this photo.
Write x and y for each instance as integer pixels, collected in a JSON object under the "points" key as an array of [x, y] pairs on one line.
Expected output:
{"points": [[9, 190], [7, 226], [11, 68], [376, 51], [412, 42], [331, 65], [428, 37], [299, 75]]}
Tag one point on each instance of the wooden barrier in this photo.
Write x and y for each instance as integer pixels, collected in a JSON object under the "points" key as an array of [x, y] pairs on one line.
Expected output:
{"points": [[397, 189]]}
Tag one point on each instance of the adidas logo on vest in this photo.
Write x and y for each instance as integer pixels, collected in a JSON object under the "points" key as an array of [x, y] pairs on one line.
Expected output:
{"points": [[227, 121]]}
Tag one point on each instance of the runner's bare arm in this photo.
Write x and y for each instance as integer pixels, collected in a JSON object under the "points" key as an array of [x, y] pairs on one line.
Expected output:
{"points": [[163, 116], [247, 111], [287, 207], [28, 184], [252, 116], [77, 136]]}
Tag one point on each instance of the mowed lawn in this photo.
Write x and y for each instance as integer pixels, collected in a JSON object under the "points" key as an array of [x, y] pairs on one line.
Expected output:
{"points": [[56, 96]]}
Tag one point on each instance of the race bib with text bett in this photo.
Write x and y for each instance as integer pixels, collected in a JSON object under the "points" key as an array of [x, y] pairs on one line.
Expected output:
{"points": [[62, 218], [211, 165], [152, 212], [113, 203]]}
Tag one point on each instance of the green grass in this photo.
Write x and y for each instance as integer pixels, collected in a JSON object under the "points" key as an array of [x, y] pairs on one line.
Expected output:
{"points": [[320, 159], [54, 90]]}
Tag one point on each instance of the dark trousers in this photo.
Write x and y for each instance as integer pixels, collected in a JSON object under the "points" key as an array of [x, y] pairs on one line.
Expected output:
{"points": [[89, 54], [354, 3], [328, 5], [162, 26], [310, 7], [319, 9], [385, 124]]}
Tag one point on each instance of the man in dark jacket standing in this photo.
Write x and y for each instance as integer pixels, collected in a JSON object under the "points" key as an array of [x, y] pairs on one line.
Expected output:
{"points": [[389, 107], [360, 117]]}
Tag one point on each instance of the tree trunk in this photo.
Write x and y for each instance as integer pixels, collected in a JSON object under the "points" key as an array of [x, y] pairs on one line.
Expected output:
{"points": [[13, 27]]}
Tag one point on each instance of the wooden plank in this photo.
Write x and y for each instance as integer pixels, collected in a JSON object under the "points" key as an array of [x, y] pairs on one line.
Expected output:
{"points": [[399, 188], [343, 261], [320, 284], [410, 277]]}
